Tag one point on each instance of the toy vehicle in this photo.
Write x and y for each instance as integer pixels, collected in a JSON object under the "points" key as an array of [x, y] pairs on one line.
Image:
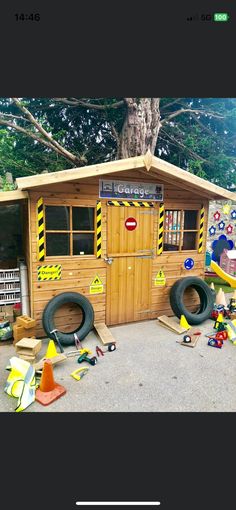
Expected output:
{"points": [[213, 342]]}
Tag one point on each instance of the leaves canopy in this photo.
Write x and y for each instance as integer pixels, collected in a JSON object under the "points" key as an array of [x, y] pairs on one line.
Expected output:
{"points": [[197, 134]]}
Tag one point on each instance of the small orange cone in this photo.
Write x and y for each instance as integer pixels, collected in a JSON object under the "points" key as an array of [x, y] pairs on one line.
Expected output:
{"points": [[48, 390]]}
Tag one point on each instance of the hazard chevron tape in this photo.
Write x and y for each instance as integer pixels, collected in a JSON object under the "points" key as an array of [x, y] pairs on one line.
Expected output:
{"points": [[201, 227], [41, 235], [99, 230], [160, 230], [129, 204]]}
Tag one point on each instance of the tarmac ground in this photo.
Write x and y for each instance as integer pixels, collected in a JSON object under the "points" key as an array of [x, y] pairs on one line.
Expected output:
{"points": [[149, 371]]}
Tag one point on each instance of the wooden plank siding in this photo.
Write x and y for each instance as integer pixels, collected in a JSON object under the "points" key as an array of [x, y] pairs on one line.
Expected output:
{"points": [[79, 271]]}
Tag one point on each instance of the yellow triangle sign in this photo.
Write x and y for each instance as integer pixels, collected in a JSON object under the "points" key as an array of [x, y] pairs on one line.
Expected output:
{"points": [[96, 281], [160, 278]]}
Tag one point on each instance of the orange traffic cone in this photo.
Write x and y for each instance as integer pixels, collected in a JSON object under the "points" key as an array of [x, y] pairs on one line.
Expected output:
{"points": [[48, 390]]}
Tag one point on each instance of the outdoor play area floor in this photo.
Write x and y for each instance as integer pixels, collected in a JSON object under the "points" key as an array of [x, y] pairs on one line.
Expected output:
{"points": [[149, 371]]}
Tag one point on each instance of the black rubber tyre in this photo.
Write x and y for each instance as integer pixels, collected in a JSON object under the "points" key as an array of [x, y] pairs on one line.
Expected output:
{"points": [[62, 299], [205, 294]]}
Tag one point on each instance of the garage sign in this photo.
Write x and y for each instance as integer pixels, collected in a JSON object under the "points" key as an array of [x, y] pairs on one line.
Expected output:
{"points": [[160, 279], [96, 287], [131, 223], [49, 272]]}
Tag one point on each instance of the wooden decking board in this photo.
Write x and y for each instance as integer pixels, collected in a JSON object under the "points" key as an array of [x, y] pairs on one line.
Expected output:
{"points": [[171, 324], [104, 333]]}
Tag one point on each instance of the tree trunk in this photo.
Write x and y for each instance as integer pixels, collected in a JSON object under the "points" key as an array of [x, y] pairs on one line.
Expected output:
{"points": [[141, 127]]}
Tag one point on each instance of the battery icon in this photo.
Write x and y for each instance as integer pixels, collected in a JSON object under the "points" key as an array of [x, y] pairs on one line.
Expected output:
{"points": [[221, 16]]}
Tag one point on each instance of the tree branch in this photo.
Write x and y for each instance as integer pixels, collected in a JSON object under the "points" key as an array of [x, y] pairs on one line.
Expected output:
{"points": [[46, 135], [9, 115], [170, 104], [116, 136], [32, 135], [191, 152], [189, 110], [80, 102]]}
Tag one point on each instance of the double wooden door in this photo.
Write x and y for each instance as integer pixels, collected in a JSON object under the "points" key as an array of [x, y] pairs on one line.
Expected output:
{"points": [[129, 272]]}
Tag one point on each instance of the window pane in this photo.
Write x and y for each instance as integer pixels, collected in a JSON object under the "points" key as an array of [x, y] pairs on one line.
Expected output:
{"points": [[57, 244], [171, 241], [83, 218], [57, 217], [83, 244], [172, 220], [190, 220], [189, 241]]}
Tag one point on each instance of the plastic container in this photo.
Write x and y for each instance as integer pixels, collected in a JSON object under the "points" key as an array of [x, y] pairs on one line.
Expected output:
{"points": [[5, 331]]}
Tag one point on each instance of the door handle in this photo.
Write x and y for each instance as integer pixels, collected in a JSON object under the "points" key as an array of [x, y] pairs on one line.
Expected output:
{"points": [[109, 260]]}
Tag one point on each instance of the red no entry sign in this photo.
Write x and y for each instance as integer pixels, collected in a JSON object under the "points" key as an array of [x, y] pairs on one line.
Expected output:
{"points": [[131, 223]]}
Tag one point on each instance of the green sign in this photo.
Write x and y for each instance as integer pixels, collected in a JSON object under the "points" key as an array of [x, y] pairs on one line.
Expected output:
{"points": [[221, 16]]}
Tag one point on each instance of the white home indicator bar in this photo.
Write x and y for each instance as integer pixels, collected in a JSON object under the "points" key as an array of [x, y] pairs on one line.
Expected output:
{"points": [[118, 503]]}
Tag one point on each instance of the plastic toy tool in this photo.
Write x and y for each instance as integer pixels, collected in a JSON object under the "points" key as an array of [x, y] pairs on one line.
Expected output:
{"points": [[79, 373], [84, 357]]}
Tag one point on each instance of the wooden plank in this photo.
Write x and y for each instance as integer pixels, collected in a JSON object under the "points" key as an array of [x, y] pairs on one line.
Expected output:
{"points": [[191, 332], [80, 173], [57, 359], [12, 196], [104, 333], [172, 324]]}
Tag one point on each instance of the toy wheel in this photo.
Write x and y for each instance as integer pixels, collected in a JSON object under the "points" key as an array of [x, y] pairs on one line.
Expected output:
{"points": [[187, 339], [111, 347]]}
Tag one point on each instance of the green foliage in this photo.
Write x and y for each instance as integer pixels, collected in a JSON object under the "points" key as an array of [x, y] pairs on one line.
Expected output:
{"points": [[203, 143], [6, 186]]}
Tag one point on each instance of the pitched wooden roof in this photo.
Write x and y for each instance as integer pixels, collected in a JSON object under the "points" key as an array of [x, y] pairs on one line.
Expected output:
{"points": [[151, 164]]}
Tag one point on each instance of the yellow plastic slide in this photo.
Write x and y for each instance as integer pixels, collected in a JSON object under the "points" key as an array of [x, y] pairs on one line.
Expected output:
{"points": [[222, 274]]}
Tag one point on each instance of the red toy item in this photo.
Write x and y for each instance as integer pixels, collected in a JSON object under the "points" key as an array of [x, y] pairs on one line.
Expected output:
{"points": [[221, 335], [99, 351]]}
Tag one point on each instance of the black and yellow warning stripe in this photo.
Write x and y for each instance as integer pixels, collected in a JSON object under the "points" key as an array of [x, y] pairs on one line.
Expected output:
{"points": [[99, 230], [50, 272], [129, 204], [160, 229], [41, 235], [201, 227]]}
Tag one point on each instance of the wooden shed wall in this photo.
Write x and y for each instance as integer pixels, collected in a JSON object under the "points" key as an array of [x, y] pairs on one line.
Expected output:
{"points": [[78, 272]]}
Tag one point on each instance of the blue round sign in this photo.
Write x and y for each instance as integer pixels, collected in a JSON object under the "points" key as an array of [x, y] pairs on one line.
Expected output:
{"points": [[189, 263]]}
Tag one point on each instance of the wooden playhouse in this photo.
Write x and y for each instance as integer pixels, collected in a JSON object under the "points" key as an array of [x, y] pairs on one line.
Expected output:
{"points": [[120, 233]]}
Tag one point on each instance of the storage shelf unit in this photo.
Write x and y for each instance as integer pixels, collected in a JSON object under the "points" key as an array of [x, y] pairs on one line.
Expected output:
{"points": [[9, 286]]}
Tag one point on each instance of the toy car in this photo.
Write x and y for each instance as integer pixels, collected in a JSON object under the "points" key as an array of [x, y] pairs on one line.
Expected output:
{"points": [[213, 342]]}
